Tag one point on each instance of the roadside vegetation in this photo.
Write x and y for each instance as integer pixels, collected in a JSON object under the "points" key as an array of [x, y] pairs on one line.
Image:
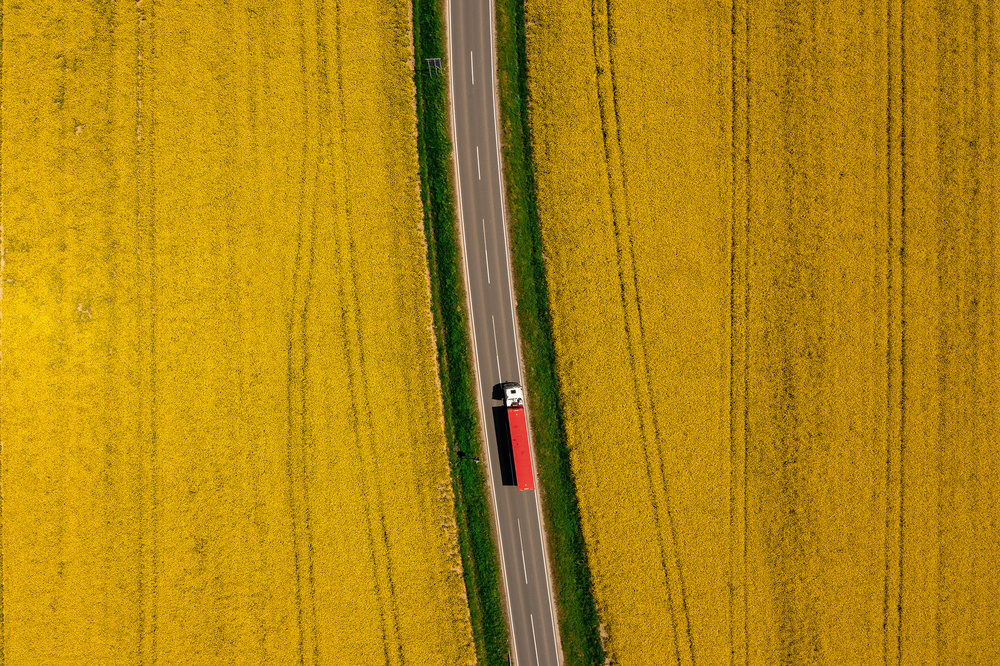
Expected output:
{"points": [[577, 614], [475, 535]]}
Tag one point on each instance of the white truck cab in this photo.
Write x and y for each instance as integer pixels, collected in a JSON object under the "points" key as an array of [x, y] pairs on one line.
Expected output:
{"points": [[513, 396]]}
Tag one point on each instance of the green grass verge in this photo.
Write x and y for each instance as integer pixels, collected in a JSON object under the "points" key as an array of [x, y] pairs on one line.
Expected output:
{"points": [[475, 537], [575, 601]]}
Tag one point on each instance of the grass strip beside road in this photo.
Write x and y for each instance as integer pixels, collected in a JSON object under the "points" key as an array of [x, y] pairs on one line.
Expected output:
{"points": [[578, 622], [475, 537]]}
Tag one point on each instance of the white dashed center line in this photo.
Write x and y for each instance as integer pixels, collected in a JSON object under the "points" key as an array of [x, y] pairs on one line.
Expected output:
{"points": [[495, 348], [533, 638], [486, 253], [521, 541]]}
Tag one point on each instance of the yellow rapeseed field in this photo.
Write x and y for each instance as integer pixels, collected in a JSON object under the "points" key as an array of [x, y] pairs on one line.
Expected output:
{"points": [[221, 429], [771, 245]]}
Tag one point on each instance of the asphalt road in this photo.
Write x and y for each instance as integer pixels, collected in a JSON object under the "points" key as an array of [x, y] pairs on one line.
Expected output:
{"points": [[522, 543]]}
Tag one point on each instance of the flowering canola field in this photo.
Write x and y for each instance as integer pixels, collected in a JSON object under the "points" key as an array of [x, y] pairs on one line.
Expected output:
{"points": [[221, 427], [771, 240]]}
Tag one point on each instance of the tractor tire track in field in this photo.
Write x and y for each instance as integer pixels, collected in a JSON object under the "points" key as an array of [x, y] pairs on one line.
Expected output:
{"points": [[360, 392], [307, 439], [351, 338], [739, 404], [145, 197], [371, 490], [3, 249], [895, 332], [299, 444], [797, 353], [603, 47]]}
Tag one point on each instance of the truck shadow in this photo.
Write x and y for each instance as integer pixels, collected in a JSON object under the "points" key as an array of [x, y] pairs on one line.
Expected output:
{"points": [[504, 450], [497, 392]]}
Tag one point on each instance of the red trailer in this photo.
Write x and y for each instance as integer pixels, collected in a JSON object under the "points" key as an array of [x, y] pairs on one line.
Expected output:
{"points": [[514, 401]]}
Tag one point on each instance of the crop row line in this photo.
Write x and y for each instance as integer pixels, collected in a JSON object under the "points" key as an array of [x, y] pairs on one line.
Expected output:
{"points": [[145, 202], [603, 37], [739, 368]]}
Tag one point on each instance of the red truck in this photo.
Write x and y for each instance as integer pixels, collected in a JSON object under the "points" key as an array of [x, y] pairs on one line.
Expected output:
{"points": [[513, 400]]}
